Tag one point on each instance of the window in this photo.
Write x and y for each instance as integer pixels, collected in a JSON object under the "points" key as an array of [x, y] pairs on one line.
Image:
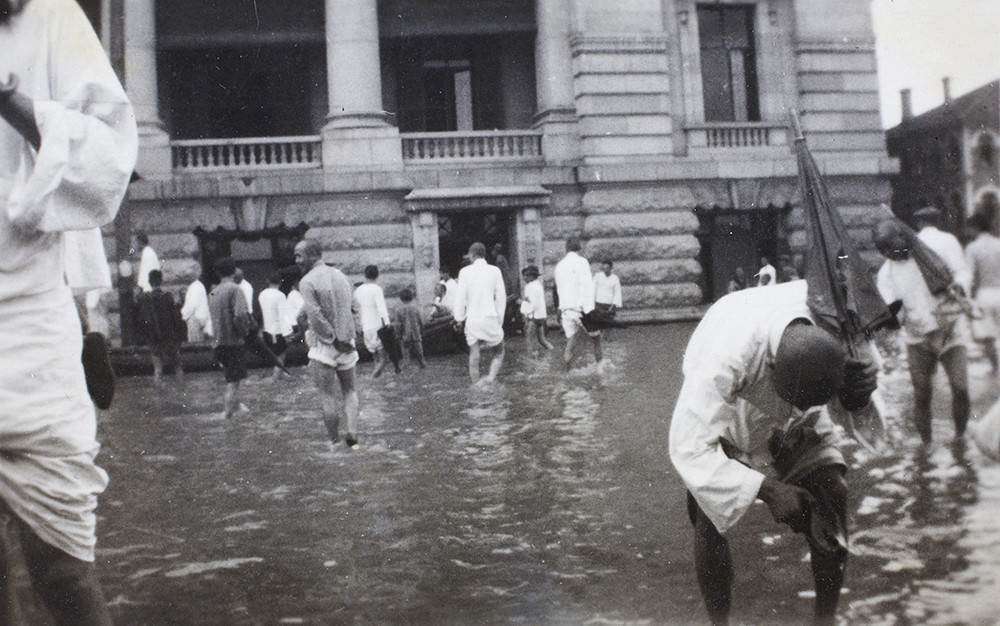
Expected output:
{"points": [[728, 62]]}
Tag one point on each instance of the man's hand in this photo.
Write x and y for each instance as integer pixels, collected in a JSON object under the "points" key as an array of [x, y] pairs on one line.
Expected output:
{"points": [[860, 380], [343, 346], [788, 504]]}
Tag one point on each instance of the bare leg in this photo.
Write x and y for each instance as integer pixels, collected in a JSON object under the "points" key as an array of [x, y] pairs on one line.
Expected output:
{"points": [[351, 403], [922, 365], [498, 353], [380, 362], [323, 376], [714, 565], [67, 586], [540, 333], [955, 363], [229, 400], [571, 342], [474, 362], [178, 368], [828, 486], [598, 348], [157, 368]]}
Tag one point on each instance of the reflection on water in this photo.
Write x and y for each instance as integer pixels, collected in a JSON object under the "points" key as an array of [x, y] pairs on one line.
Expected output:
{"points": [[546, 498]]}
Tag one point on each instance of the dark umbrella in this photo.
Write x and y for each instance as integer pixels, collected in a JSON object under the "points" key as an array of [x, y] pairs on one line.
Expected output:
{"points": [[255, 344], [841, 291], [391, 345]]}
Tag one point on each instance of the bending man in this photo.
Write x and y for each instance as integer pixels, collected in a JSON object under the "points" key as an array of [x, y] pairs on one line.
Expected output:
{"points": [[749, 424]]}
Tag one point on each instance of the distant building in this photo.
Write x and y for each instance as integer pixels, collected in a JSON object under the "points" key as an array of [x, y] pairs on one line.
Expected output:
{"points": [[949, 157], [398, 131]]}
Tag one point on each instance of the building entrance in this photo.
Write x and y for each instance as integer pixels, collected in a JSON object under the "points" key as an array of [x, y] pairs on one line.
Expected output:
{"points": [[733, 238], [457, 230]]}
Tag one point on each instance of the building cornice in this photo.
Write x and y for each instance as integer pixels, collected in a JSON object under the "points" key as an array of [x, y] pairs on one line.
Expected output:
{"points": [[652, 43]]}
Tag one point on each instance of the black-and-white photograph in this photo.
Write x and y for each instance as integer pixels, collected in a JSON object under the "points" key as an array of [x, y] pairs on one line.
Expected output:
{"points": [[460, 312]]}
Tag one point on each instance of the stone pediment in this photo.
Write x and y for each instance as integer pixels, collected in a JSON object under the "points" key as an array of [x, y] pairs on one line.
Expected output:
{"points": [[477, 199]]}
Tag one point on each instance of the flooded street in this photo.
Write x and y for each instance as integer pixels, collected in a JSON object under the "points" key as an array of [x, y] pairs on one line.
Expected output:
{"points": [[547, 499]]}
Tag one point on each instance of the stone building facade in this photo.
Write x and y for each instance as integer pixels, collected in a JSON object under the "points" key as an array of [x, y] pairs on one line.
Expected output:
{"points": [[397, 131], [949, 157]]}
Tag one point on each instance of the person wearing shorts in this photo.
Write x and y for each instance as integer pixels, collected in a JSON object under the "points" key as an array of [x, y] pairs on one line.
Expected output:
{"points": [[480, 304], [231, 322], [575, 290], [326, 301]]}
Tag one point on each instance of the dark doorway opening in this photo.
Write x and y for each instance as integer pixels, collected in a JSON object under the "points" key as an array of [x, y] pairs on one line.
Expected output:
{"points": [[257, 252], [732, 238], [457, 230]]}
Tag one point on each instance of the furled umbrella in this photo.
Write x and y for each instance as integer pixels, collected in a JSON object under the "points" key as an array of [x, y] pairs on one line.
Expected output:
{"points": [[842, 294]]}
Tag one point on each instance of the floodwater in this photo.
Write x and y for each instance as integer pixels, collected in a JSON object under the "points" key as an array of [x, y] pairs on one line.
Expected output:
{"points": [[546, 499]]}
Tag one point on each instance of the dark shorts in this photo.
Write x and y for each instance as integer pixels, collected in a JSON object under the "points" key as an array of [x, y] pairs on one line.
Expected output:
{"points": [[234, 362], [275, 344]]}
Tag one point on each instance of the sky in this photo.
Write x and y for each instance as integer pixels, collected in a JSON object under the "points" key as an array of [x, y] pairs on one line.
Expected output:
{"points": [[918, 42]]}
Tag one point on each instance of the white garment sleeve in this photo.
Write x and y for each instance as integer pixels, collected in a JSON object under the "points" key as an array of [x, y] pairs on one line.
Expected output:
{"points": [[78, 177]]}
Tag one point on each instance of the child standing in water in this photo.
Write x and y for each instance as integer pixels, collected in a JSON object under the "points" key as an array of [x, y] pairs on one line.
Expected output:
{"points": [[409, 327], [533, 307]]}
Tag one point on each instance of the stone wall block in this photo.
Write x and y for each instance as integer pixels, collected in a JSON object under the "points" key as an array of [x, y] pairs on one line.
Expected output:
{"points": [[654, 296], [646, 198], [559, 227], [640, 224], [174, 245], [184, 216], [659, 271], [346, 209], [353, 262], [364, 237], [638, 248]]}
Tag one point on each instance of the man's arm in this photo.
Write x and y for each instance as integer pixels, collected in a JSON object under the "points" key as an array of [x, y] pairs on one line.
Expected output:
{"points": [[617, 286], [318, 324], [18, 110]]}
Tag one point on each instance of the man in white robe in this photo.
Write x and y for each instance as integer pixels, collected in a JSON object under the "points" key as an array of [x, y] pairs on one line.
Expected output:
{"points": [[68, 144], [748, 425], [480, 302]]}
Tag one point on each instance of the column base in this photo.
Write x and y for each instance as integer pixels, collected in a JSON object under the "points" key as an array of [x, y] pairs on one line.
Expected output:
{"points": [[560, 136], [154, 160], [361, 142]]}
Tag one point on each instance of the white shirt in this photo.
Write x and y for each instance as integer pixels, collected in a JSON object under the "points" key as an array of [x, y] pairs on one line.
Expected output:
{"points": [[574, 284], [196, 305], [481, 295], [293, 306], [272, 308], [950, 250], [533, 302], [607, 289], [772, 276], [902, 280], [728, 393], [148, 261], [450, 289], [372, 310], [983, 257], [88, 134], [247, 290]]}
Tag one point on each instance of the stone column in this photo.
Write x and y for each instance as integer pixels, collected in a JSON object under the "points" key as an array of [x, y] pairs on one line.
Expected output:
{"points": [[140, 85], [357, 135], [556, 115]]}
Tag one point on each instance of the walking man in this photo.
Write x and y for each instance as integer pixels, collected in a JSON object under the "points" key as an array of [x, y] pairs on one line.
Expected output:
{"points": [[326, 302], [273, 303], [748, 425], [607, 291], [983, 256], [480, 303], [148, 261], [160, 325], [575, 291], [373, 314], [231, 322], [935, 328], [195, 311], [68, 144]]}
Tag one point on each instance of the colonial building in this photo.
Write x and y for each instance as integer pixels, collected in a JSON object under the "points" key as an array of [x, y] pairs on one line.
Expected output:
{"points": [[398, 131], [949, 157]]}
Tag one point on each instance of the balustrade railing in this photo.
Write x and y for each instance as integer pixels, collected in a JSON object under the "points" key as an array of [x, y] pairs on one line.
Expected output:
{"points": [[736, 135], [251, 153], [497, 145]]}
